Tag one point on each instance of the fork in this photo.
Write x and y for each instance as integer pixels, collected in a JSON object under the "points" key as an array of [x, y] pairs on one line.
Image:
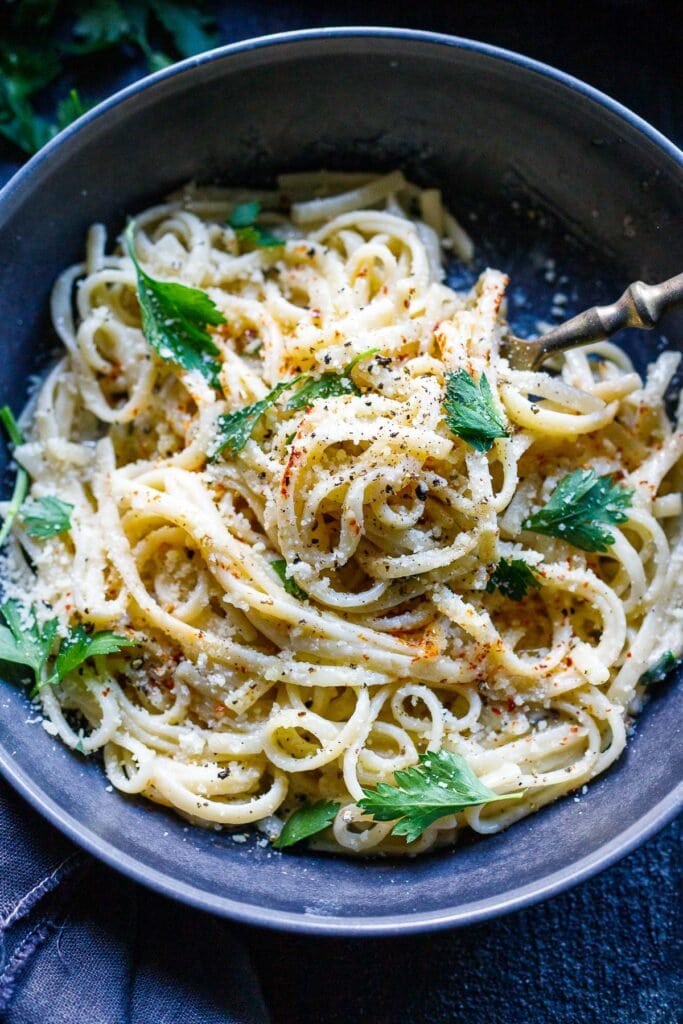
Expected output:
{"points": [[641, 305]]}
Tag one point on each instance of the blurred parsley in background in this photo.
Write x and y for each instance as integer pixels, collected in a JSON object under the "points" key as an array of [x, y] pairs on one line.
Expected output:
{"points": [[42, 40]]}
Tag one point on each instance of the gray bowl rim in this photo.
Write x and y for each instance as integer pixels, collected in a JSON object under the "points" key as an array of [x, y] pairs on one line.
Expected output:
{"points": [[391, 924]]}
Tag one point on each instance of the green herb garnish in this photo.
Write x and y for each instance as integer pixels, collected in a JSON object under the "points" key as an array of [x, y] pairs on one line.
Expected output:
{"points": [[80, 645], [174, 319], [290, 585], [661, 669], [578, 506], [47, 517], [442, 783], [306, 822], [21, 480], [512, 578], [235, 428], [25, 69], [243, 220], [329, 385], [470, 410], [24, 642]]}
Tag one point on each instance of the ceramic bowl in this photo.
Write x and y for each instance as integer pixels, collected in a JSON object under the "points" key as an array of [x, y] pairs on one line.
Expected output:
{"points": [[539, 167]]}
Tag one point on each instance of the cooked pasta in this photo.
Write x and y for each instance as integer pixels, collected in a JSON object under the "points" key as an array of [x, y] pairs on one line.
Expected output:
{"points": [[316, 607]]}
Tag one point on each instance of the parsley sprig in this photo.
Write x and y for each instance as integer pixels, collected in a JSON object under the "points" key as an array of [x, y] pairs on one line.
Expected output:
{"points": [[174, 319], [513, 578], [441, 784], [580, 508], [235, 428], [243, 221], [471, 412], [305, 822], [330, 384], [21, 480], [43, 518], [80, 645], [24, 642], [47, 517]]}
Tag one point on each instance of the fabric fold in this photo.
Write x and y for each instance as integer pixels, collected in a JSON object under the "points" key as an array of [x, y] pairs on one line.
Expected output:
{"points": [[80, 944]]}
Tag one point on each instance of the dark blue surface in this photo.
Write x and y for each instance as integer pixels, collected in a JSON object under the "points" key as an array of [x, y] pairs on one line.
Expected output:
{"points": [[602, 952]]}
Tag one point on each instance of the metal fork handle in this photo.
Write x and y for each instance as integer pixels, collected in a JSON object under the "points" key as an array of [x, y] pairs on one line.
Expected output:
{"points": [[641, 305]]}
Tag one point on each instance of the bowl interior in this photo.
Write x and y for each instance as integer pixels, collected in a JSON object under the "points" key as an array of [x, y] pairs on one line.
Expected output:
{"points": [[536, 168]]}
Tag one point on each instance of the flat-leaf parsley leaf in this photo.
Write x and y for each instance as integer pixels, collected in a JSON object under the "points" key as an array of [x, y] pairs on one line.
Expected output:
{"points": [[470, 410], [24, 642], [442, 783], [80, 645], [512, 578], [579, 507], [174, 319], [290, 585], [307, 821], [235, 428], [243, 221], [329, 385], [47, 517]]}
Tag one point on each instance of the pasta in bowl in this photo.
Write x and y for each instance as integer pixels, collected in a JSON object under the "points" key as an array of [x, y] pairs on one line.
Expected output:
{"points": [[304, 551]]}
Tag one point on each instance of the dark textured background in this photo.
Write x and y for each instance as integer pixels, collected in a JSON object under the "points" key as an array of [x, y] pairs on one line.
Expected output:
{"points": [[609, 951]]}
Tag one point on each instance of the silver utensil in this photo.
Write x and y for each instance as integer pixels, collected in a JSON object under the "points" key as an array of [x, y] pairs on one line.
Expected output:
{"points": [[641, 305]]}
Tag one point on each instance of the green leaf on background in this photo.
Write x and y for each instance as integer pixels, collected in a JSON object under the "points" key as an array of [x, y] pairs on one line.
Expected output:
{"points": [[187, 26], [70, 109], [37, 34], [100, 25]]}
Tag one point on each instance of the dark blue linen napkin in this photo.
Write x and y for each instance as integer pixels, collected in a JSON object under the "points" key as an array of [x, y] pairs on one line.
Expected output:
{"points": [[80, 944]]}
